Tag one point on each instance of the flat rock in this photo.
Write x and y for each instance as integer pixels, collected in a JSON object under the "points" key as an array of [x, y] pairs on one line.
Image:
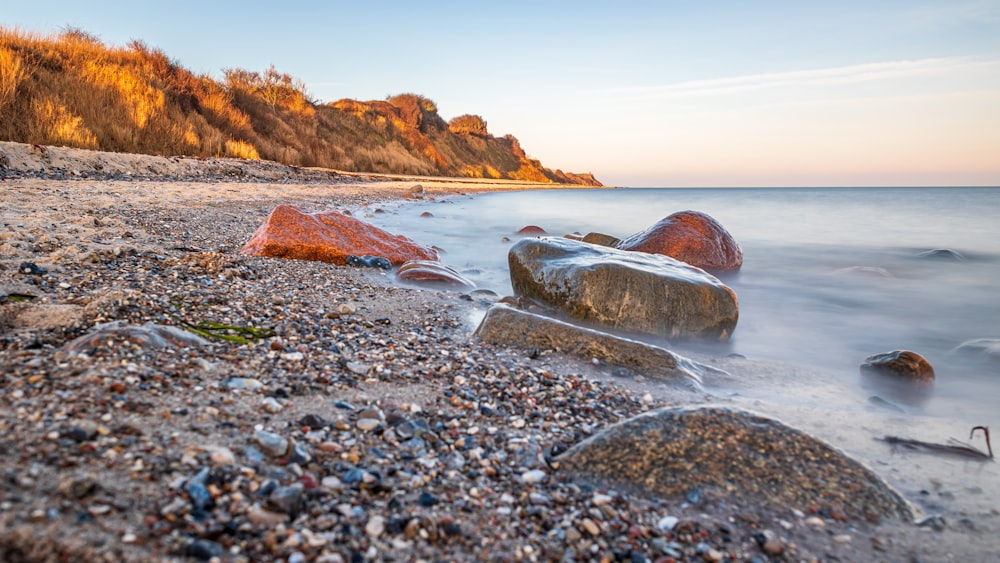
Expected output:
{"points": [[510, 326], [732, 456], [692, 237], [149, 336], [329, 236], [433, 273], [631, 292]]}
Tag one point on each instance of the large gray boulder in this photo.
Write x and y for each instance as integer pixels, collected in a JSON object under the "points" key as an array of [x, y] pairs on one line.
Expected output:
{"points": [[509, 326], [632, 292], [727, 455]]}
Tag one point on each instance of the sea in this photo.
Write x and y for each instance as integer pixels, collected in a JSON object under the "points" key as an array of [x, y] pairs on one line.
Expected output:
{"points": [[830, 276]]}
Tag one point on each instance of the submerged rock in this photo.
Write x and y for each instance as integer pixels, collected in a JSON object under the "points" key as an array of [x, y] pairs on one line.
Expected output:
{"points": [[986, 348], [692, 237], [730, 456], [901, 364], [942, 254], [531, 230], [626, 291], [329, 236], [509, 326], [433, 273]]}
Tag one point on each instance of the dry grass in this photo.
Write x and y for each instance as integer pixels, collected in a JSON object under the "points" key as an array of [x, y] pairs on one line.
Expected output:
{"points": [[71, 89]]}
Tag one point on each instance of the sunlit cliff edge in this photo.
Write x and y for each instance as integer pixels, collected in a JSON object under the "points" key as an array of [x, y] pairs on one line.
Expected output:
{"points": [[70, 89]]}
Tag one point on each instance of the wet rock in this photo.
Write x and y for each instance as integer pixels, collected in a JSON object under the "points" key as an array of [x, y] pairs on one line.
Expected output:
{"points": [[531, 230], [601, 239], [986, 348], [692, 237], [328, 236], [507, 325], [204, 550], [377, 262], [433, 273], [946, 254], [729, 456], [149, 336], [902, 364], [626, 291]]}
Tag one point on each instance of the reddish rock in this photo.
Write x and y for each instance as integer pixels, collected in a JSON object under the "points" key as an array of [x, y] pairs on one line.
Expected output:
{"points": [[900, 364], [531, 230], [692, 237], [432, 273], [328, 236]]}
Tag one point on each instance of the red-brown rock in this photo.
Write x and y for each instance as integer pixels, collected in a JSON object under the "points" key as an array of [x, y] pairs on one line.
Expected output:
{"points": [[531, 230], [692, 237], [427, 272], [903, 365], [328, 236]]}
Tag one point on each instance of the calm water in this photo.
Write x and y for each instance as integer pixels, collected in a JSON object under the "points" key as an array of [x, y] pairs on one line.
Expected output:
{"points": [[829, 277]]}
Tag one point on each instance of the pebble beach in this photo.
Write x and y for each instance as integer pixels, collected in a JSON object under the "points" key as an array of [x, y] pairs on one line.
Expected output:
{"points": [[342, 418]]}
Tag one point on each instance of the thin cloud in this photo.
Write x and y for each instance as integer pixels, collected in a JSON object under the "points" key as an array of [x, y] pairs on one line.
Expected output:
{"points": [[852, 74]]}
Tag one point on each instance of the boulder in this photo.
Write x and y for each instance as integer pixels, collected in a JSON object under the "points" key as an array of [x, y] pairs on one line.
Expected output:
{"points": [[531, 230], [902, 365], [428, 272], [510, 326], [727, 455], [329, 236], [632, 292], [692, 237]]}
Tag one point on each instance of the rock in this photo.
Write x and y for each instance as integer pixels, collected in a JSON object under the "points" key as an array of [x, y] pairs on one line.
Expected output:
{"points": [[270, 443], [31, 269], [730, 456], [601, 239], [328, 236], [368, 262], [900, 364], [986, 348], [287, 500], [632, 292], [942, 254], [531, 230], [509, 326], [432, 273], [149, 336], [692, 237]]}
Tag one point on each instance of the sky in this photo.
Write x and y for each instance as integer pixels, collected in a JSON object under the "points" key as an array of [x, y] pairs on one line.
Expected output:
{"points": [[640, 93]]}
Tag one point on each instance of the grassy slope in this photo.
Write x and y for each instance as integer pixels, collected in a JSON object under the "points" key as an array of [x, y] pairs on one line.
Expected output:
{"points": [[72, 90]]}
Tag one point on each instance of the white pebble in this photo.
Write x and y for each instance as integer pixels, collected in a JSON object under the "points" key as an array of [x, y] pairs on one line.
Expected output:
{"points": [[667, 523], [533, 476]]}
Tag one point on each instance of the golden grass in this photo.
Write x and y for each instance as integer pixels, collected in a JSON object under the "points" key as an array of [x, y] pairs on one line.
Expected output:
{"points": [[71, 89]]}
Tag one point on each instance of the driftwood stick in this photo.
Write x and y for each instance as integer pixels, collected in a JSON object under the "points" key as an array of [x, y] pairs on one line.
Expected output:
{"points": [[986, 434], [958, 448]]}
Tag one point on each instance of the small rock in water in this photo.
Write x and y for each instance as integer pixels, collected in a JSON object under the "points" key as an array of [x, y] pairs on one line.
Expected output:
{"points": [[369, 262], [902, 364]]}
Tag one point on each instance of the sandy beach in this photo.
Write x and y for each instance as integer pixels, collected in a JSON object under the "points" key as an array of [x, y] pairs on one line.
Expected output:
{"points": [[302, 446]]}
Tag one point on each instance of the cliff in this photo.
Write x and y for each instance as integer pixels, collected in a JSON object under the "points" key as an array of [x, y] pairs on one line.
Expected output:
{"points": [[72, 90]]}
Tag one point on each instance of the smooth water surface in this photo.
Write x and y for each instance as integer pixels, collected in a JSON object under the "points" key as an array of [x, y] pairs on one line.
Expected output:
{"points": [[829, 277]]}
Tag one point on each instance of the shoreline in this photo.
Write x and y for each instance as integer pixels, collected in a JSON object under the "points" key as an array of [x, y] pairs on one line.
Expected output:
{"points": [[136, 250]]}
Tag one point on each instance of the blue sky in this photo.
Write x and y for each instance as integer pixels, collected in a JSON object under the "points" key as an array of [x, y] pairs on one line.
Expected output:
{"points": [[657, 93]]}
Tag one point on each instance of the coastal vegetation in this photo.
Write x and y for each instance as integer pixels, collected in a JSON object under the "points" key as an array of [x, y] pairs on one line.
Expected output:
{"points": [[70, 89]]}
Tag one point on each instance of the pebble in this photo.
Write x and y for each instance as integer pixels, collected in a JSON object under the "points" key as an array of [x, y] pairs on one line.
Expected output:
{"points": [[533, 476], [375, 526], [590, 527], [271, 444]]}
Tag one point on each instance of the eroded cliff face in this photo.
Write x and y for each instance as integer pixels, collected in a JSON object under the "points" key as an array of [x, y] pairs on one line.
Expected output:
{"points": [[72, 90]]}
